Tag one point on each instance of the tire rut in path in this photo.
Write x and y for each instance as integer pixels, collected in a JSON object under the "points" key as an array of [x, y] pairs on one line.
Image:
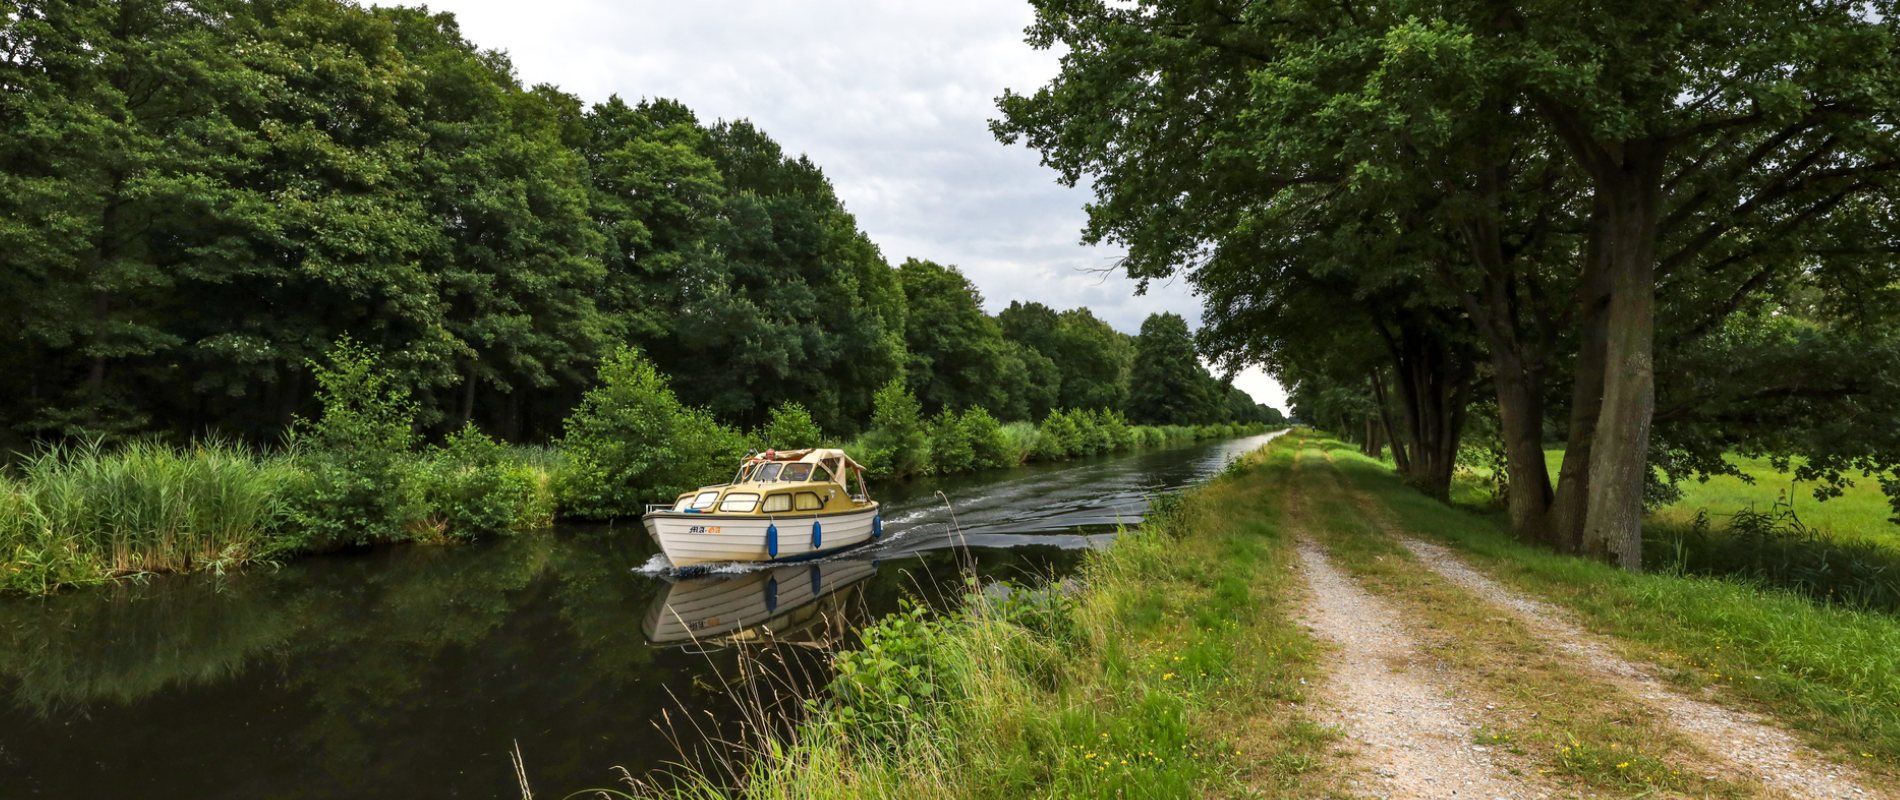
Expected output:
{"points": [[1753, 749], [1411, 720]]}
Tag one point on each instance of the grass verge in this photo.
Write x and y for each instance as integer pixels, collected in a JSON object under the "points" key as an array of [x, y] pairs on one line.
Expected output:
{"points": [[1170, 669]]}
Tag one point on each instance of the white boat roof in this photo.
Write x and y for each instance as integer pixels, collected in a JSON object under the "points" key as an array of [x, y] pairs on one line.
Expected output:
{"points": [[810, 455]]}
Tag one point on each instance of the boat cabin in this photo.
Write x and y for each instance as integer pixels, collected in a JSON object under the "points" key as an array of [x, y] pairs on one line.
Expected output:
{"points": [[812, 481]]}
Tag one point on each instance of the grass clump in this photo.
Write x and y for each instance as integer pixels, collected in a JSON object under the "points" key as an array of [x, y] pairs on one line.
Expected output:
{"points": [[1167, 669], [77, 515]]}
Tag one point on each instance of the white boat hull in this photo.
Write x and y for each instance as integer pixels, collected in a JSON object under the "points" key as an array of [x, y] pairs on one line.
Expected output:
{"points": [[695, 539]]}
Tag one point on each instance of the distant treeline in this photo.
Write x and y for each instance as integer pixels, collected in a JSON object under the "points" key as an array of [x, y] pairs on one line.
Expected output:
{"points": [[198, 198]]}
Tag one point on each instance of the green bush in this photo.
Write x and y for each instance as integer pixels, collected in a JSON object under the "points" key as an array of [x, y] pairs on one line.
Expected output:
{"points": [[1115, 426], [950, 446], [1060, 437], [1088, 436], [989, 446], [898, 444], [878, 688], [353, 481], [471, 488], [790, 427], [631, 442]]}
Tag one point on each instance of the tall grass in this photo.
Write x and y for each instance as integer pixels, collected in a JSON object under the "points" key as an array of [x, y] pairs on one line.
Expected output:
{"points": [[76, 515], [84, 513], [1168, 668]]}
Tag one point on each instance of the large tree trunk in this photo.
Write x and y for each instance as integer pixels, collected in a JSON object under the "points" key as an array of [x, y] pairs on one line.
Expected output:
{"points": [[1521, 423], [1435, 387], [1619, 453], [1401, 457], [1568, 512]]}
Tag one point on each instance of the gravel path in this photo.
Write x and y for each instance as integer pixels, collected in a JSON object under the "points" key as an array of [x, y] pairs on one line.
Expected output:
{"points": [[1411, 720], [1753, 748]]}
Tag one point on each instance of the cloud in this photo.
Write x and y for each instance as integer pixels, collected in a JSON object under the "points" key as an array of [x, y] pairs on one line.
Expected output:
{"points": [[891, 99]]}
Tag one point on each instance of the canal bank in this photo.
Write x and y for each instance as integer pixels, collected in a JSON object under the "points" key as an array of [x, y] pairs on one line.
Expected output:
{"points": [[415, 671]]}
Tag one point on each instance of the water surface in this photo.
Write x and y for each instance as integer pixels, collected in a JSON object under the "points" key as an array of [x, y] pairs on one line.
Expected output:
{"points": [[416, 671]]}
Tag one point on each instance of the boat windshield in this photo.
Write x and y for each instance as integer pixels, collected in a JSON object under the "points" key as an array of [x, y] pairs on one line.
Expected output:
{"points": [[796, 472], [739, 503], [767, 472], [705, 500]]}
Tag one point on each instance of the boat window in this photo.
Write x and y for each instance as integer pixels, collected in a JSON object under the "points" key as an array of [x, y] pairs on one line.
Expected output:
{"points": [[739, 503], [809, 502], [775, 503], [767, 472], [685, 502], [705, 500], [796, 472]]}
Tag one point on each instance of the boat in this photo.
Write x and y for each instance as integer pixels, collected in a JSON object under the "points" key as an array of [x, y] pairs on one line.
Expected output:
{"points": [[788, 505], [804, 604]]}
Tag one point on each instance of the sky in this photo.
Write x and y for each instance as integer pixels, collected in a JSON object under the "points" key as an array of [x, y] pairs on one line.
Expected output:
{"points": [[891, 99]]}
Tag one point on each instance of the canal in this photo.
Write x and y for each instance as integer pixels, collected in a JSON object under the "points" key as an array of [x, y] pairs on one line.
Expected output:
{"points": [[418, 671]]}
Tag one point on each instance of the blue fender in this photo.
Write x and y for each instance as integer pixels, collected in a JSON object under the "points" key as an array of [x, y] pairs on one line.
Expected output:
{"points": [[771, 540], [877, 527], [817, 535], [771, 595]]}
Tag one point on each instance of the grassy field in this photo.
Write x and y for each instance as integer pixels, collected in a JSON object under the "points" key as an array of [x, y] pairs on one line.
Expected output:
{"points": [[1860, 514]]}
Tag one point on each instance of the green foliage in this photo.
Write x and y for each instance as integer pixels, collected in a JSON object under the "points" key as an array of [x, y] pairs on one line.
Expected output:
{"points": [[1096, 436], [1168, 385], [990, 446], [956, 352], [951, 449], [1022, 440], [879, 687], [631, 442], [898, 445], [1115, 427], [1774, 549], [1058, 438], [472, 488], [790, 427], [353, 482]]}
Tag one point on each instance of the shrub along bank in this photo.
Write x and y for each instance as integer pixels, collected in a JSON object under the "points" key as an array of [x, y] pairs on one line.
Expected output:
{"points": [[358, 474]]}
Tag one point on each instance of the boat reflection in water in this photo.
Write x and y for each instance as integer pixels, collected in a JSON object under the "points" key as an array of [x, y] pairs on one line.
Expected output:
{"points": [[805, 604]]}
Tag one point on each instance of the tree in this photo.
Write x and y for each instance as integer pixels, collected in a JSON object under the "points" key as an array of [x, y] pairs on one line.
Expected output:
{"points": [[1168, 385], [956, 351], [1576, 160]]}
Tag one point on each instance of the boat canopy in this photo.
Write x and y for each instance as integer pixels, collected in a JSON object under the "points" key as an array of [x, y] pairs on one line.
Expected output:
{"points": [[829, 459], [810, 455]]}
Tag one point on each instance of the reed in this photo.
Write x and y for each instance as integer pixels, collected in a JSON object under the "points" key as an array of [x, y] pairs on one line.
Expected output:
{"points": [[79, 514]]}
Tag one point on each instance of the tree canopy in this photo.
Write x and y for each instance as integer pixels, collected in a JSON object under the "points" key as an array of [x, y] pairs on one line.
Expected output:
{"points": [[198, 198], [1550, 201]]}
